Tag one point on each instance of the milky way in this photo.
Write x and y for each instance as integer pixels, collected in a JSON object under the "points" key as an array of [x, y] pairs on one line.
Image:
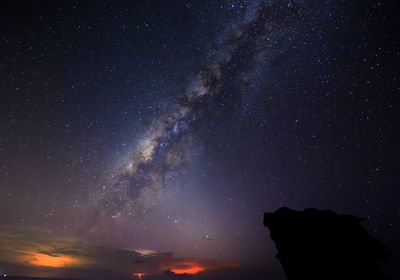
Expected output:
{"points": [[166, 147], [166, 129]]}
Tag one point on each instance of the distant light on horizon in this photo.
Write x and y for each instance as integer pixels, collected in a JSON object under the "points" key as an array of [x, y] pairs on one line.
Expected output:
{"points": [[139, 275], [39, 259], [188, 268]]}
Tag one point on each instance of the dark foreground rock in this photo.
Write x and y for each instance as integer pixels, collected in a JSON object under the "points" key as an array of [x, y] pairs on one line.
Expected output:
{"points": [[314, 244]]}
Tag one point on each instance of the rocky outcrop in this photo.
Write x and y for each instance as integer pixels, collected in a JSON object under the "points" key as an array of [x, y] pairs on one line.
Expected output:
{"points": [[314, 244]]}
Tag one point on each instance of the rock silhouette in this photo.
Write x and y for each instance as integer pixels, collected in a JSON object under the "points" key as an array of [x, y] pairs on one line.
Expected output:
{"points": [[314, 244]]}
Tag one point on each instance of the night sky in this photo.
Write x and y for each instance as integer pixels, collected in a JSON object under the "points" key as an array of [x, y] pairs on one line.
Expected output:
{"points": [[142, 136]]}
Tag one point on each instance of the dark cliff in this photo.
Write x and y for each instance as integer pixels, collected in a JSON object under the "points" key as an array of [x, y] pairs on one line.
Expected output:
{"points": [[314, 244]]}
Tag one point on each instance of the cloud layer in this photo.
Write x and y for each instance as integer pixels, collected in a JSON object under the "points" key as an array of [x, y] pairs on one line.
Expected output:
{"points": [[27, 251]]}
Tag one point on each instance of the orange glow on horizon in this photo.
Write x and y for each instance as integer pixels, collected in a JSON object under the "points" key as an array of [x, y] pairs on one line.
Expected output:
{"points": [[188, 268], [139, 275], [39, 259]]}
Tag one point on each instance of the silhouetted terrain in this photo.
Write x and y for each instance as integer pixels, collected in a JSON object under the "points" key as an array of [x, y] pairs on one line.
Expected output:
{"points": [[314, 244]]}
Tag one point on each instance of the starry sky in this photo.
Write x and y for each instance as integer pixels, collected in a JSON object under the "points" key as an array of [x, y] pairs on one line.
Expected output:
{"points": [[140, 139]]}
